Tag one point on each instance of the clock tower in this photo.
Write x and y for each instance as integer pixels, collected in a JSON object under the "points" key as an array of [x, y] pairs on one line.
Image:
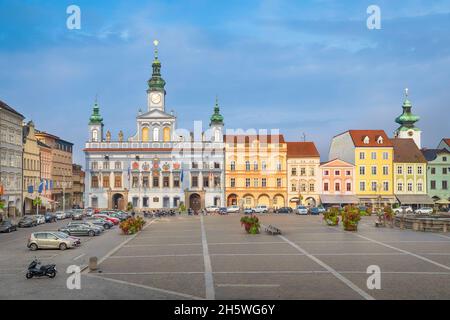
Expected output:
{"points": [[407, 120], [156, 93]]}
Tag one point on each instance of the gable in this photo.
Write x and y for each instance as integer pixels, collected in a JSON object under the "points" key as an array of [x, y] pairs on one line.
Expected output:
{"points": [[155, 114]]}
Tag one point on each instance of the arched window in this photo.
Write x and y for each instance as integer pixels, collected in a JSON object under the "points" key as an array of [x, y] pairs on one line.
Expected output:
{"points": [[166, 134], [155, 134], [95, 135], [145, 135], [217, 135]]}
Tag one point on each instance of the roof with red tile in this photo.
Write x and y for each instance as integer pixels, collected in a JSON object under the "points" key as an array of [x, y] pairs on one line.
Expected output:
{"points": [[337, 163], [447, 141], [358, 137], [302, 149]]}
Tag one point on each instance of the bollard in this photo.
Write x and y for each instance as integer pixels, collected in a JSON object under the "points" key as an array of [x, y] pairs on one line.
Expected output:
{"points": [[444, 227], [93, 263], [415, 226]]}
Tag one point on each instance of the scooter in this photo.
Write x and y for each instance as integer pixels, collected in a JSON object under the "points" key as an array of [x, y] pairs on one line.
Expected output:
{"points": [[35, 269]]}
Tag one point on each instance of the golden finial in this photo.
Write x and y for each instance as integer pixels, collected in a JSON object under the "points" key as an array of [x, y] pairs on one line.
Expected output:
{"points": [[156, 42]]}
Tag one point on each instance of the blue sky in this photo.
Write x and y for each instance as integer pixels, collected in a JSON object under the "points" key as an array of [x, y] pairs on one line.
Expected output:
{"points": [[302, 66]]}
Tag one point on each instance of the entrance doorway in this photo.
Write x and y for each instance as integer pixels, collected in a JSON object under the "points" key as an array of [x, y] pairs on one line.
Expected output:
{"points": [[118, 202], [195, 202]]}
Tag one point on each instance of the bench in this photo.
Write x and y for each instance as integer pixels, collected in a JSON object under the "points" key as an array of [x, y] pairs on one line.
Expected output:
{"points": [[273, 230]]}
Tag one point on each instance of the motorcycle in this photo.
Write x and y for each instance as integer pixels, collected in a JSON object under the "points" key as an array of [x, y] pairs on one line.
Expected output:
{"points": [[35, 269]]}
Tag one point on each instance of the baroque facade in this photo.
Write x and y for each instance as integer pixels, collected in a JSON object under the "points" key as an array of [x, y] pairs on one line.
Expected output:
{"points": [[11, 154], [161, 166], [31, 168]]}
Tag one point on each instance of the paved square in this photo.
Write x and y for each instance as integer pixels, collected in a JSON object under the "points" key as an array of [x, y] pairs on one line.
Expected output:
{"points": [[212, 257]]}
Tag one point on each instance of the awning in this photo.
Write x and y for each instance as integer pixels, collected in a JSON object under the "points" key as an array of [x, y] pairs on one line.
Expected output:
{"points": [[443, 201], [338, 199], [30, 196], [376, 199], [414, 199]]}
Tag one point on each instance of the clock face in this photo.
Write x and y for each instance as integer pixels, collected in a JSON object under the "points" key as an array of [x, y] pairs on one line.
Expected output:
{"points": [[156, 98], [410, 133]]}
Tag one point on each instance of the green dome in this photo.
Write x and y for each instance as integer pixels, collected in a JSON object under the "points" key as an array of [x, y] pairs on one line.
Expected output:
{"points": [[96, 118], [217, 118], [156, 82], [407, 118]]}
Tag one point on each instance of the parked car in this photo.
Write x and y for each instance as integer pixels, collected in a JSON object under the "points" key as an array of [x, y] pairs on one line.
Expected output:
{"points": [[64, 235], [301, 210], [212, 209], [69, 214], [27, 222], [49, 240], [233, 209], [424, 210], [321, 209], [77, 216], [87, 223], [80, 230], [40, 219], [100, 222], [222, 210], [249, 211], [402, 209], [261, 209], [314, 211], [50, 217], [106, 217], [89, 212], [119, 216], [60, 215], [284, 210], [7, 226]]}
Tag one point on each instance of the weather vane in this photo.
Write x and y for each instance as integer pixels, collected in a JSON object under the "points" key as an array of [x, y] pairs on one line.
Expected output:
{"points": [[406, 92], [156, 42]]}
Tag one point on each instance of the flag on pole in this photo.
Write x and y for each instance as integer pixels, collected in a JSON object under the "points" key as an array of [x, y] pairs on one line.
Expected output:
{"points": [[182, 175], [30, 189], [41, 186]]}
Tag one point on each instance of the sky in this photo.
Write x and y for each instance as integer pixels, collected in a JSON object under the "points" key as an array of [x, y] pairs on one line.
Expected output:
{"points": [[305, 67]]}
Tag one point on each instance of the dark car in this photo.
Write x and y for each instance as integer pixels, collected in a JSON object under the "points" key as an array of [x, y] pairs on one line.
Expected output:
{"points": [[50, 217], [223, 210], [314, 211], [80, 230], [66, 236], [119, 216], [7, 226], [284, 210], [77, 216], [27, 222]]}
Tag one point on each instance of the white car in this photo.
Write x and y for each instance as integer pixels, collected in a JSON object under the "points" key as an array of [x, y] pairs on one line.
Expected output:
{"points": [[402, 209], [424, 210], [249, 211], [60, 215], [233, 209], [212, 209], [301, 210], [261, 209], [40, 219]]}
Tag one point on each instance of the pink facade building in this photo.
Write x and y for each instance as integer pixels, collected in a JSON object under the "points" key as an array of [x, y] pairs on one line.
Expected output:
{"points": [[338, 183]]}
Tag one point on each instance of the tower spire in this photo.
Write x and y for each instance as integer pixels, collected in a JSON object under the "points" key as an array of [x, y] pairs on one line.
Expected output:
{"points": [[216, 118], [156, 82], [407, 120], [96, 118]]}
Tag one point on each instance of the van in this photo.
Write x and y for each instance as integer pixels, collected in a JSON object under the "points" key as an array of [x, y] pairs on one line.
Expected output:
{"points": [[261, 209], [49, 240]]}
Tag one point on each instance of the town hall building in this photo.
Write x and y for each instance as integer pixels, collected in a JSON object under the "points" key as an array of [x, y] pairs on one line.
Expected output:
{"points": [[161, 166]]}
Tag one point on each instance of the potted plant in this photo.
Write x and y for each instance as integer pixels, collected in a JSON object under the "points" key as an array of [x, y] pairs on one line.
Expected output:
{"points": [[132, 225], [251, 224], [350, 218], [388, 215], [331, 217]]}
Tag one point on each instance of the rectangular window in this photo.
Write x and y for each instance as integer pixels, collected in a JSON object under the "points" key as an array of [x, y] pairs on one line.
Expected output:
{"points": [[294, 171], [118, 181], [362, 171], [312, 172], [373, 156], [263, 166], [349, 186], [255, 166], [294, 187], [155, 182], [105, 181], [386, 186], [433, 185], [302, 172], [216, 165], [326, 173], [135, 182], [94, 182], [312, 187], [444, 170], [337, 187], [337, 172], [420, 187], [279, 167], [410, 187], [255, 183], [233, 166], [105, 165], [205, 182], [194, 182], [399, 187], [374, 170], [247, 182], [444, 185], [232, 182], [145, 182], [166, 183], [419, 170], [409, 170], [373, 186], [279, 184], [433, 170], [386, 170], [176, 181], [194, 165], [362, 156], [325, 186], [385, 155], [145, 202], [247, 165], [348, 173], [399, 170], [263, 182], [362, 186]]}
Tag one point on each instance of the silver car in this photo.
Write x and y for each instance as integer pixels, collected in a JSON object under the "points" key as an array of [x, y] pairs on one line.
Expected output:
{"points": [[49, 240]]}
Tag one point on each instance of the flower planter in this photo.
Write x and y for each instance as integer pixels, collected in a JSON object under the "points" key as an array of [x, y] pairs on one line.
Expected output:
{"points": [[332, 223], [250, 224], [351, 227]]}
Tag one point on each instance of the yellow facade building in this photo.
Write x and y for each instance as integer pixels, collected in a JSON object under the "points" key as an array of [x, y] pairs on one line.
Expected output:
{"points": [[256, 170], [31, 168], [372, 153]]}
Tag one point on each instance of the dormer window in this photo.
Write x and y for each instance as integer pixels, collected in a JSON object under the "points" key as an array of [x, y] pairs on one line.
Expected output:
{"points": [[366, 140], [380, 140]]}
